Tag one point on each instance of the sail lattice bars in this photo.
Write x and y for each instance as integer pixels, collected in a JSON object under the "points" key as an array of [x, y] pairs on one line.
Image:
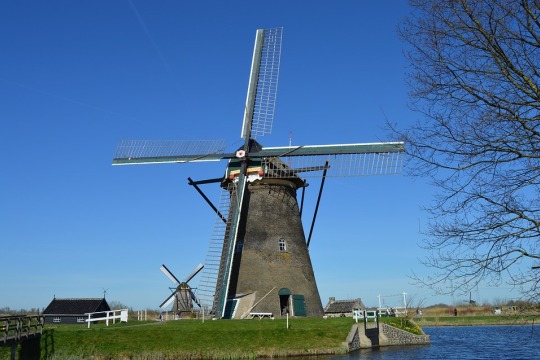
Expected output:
{"points": [[163, 151], [343, 160], [267, 83], [339, 165]]}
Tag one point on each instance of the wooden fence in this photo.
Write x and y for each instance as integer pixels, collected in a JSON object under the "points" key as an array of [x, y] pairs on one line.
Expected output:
{"points": [[14, 329]]}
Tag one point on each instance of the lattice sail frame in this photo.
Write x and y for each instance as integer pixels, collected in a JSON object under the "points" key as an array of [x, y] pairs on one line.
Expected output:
{"points": [[150, 149], [340, 165], [265, 98]]}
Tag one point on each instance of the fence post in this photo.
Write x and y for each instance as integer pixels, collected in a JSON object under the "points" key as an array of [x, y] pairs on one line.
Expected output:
{"points": [[365, 320], [6, 324], [19, 328]]}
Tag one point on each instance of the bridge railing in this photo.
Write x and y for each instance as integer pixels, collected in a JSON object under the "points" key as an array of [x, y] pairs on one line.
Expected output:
{"points": [[20, 327]]}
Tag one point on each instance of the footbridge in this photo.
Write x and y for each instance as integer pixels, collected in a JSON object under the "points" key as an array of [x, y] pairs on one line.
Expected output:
{"points": [[19, 328]]}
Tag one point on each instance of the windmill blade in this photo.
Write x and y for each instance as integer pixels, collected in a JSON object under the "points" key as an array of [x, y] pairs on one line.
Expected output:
{"points": [[258, 118], [232, 232], [195, 298], [169, 151], [344, 160], [359, 148], [168, 301], [169, 274], [263, 81], [193, 273]]}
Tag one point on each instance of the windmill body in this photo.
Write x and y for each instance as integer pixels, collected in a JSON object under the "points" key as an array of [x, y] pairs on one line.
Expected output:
{"points": [[271, 268], [258, 259]]}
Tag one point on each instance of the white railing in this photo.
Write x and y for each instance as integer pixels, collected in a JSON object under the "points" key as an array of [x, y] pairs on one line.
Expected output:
{"points": [[141, 315], [393, 311], [109, 315]]}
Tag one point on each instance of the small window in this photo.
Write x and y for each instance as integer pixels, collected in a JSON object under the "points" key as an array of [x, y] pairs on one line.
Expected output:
{"points": [[282, 245], [57, 320], [80, 319]]}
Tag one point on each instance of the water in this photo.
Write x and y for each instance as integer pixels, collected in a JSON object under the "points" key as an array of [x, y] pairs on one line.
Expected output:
{"points": [[465, 343]]}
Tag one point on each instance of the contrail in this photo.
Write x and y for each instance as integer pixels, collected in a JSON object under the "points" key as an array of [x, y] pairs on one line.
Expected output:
{"points": [[147, 32], [64, 98]]}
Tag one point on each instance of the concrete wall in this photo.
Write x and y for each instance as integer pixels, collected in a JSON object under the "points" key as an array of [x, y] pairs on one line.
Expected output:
{"points": [[357, 338], [388, 336]]}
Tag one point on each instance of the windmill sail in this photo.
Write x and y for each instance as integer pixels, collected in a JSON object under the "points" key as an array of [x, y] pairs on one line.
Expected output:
{"points": [[263, 82], [168, 151], [343, 160], [237, 201], [258, 117]]}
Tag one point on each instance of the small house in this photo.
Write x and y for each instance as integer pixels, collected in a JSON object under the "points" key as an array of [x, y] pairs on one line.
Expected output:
{"points": [[342, 308], [72, 311]]}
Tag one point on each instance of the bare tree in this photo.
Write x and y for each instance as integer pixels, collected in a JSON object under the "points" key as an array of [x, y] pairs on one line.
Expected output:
{"points": [[474, 78]]}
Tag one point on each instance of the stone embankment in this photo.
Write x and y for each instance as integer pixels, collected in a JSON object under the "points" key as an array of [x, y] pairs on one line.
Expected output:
{"points": [[361, 337]]}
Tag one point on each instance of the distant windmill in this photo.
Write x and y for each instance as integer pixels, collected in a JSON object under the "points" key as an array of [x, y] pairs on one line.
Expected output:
{"points": [[258, 259], [182, 296]]}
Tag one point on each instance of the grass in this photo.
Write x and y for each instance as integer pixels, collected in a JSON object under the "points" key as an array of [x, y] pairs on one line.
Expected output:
{"points": [[221, 339], [403, 323], [191, 339]]}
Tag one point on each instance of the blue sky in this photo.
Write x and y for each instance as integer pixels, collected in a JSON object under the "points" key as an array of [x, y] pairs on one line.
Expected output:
{"points": [[78, 76]]}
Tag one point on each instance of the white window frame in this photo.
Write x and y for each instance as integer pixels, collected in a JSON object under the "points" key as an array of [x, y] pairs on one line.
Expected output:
{"points": [[282, 245]]}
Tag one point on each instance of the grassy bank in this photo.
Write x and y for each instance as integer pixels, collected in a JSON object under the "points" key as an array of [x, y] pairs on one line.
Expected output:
{"points": [[474, 315], [477, 320], [230, 339], [191, 339]]}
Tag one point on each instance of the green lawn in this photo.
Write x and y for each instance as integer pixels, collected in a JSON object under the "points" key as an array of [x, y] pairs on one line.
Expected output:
{"points": [[191, 339]]}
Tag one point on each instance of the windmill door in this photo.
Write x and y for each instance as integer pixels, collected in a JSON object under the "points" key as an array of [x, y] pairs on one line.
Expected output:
{"points": [[299, 305], [284, 301]]}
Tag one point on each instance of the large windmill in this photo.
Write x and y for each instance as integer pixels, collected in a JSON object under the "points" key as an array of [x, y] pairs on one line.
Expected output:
{"points": [[258, 259]]}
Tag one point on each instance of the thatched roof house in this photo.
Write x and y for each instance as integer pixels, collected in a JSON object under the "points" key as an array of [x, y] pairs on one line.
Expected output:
{"points": [[342, 308]]}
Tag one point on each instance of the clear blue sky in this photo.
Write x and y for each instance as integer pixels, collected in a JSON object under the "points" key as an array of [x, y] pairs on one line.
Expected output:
{"points": [[78, 76]]}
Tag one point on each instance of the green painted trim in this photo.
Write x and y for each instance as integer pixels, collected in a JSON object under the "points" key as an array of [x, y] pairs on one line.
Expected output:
{"points": [[284, 291]]}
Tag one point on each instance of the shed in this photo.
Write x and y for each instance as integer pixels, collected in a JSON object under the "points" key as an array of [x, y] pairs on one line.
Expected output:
{"points": [[72, 311], [342, 308]]}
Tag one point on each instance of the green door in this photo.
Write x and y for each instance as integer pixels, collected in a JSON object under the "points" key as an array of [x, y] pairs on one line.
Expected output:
{"points": [[299, 305]]}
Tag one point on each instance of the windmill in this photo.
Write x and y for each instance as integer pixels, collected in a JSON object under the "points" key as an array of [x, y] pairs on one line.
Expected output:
{"points": [[182, 295], [258, 259]]}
